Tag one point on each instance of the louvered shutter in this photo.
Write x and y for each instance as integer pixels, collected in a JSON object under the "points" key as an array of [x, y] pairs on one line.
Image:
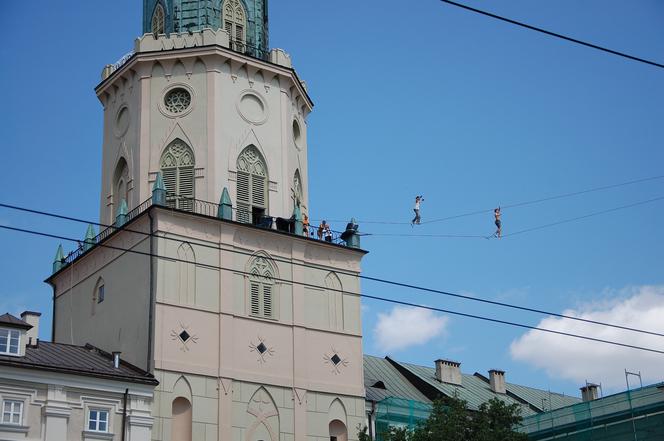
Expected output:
{"points": [[267, 300], [255, 298], [258, 191], [186, 188], [243, 197], [170, 181], [229, 28]]}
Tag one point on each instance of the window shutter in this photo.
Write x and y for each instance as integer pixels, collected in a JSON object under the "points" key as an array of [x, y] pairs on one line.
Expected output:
{"points": [[229, 28], [258, 191], [255, 298], [186, 188], [170, 181], [267, 300], [243, 198], [239, 33]]}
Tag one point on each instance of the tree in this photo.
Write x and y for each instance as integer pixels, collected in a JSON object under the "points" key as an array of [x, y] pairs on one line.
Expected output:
{"points": [[450, 420]]}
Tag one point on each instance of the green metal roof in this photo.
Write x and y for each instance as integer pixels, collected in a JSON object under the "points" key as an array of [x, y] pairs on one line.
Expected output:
{"points": [[551, 401], [396, 385], [473, 389]]}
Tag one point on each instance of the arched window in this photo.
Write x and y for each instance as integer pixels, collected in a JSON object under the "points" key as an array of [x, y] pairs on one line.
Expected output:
{"points": [[261, 288], [120, 185], [252, 179], [98, 294], [235, 23], [177, 169], [158, 18], [297, 189], [181, 423]]}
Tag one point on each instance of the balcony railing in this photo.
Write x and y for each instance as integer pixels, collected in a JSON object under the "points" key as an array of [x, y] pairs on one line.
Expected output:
{"points": [[209, 209]]}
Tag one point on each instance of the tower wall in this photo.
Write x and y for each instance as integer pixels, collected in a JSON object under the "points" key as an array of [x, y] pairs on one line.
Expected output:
{"points": [[235, 101]]}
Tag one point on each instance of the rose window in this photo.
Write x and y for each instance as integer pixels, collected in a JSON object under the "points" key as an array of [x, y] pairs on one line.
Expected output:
{"points": [[177, 100]]}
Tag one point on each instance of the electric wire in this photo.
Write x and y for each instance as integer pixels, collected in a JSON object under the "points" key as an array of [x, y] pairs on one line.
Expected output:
{"points": [[554, 34], [382, 299], [352, 274], [519, 204], [527, 230]]}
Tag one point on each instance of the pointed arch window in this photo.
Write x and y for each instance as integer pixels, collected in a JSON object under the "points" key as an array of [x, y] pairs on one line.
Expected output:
{"points": [[177, 169], [262, 288], [235, 23], [120, 185], [252, 180], [158, 19]]}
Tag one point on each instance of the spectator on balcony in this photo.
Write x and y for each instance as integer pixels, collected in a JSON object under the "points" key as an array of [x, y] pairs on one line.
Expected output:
{"points": [[323, 228], [305, 225], [327, 233]]}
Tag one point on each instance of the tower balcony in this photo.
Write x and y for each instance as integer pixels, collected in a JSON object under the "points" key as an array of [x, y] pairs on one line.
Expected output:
{"points": [[346, 239], [206, 37]]}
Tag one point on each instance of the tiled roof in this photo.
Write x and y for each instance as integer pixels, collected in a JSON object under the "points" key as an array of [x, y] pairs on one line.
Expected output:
{"points": [[396, 385], [9, 320], [77, 360]]}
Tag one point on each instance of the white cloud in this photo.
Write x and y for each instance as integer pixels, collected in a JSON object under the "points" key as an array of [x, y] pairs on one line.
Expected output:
{"points": [[407, 326], [580, 360]]}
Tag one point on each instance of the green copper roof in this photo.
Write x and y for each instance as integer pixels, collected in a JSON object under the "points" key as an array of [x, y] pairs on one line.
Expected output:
{"points": [[396, 385], [159, 183]]}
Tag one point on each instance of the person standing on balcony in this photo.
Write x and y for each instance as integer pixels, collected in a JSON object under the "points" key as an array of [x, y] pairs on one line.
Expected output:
{"points": [[417, 219], [321, 229], [305, 225], [327, 233]]}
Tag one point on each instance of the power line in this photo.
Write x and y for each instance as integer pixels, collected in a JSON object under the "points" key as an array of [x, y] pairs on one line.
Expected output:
{"points": [[527, 230], [361, 276], [554, 34], [521, 204], [585, 216], [382, 299]]}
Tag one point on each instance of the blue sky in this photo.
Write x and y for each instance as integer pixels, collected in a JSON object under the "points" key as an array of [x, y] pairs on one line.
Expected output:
{"points": [[411, 98]]}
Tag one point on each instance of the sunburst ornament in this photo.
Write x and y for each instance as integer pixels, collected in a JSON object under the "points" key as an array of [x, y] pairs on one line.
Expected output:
{"points": [[262, 349], [184, 336], [336, 361]]}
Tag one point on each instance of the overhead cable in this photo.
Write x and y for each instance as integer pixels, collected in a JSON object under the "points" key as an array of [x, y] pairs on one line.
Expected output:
{"points": [[554, 34], [382, 299], [353, 274]]}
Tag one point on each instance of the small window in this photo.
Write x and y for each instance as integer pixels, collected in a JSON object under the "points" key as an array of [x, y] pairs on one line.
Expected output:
{"points": [[12, 412], [100, 294], [9, 341], [98, 420]]}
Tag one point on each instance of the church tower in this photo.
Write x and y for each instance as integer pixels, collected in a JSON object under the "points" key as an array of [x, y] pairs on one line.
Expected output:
{"points": [[207, 275], [245, 21]]}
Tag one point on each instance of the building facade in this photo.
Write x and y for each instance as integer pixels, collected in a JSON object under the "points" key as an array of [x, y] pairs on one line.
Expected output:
{"points": [[208, 278], [55, 392]]}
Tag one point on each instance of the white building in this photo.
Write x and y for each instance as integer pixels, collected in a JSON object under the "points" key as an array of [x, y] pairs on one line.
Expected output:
{"points": [[55, 392], [251, 325]]}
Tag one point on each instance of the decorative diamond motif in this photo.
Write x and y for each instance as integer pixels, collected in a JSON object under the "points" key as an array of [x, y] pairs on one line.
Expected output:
{"points": [[263, 350], [335, 359], [184, 336]]}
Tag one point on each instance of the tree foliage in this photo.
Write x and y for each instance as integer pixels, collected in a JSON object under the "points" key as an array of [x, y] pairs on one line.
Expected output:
{"points": [[450, 420]]}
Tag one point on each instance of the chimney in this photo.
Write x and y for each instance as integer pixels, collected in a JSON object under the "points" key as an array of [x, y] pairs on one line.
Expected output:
{"points": [[589, 392], [116, 359], [497, 381], [31, 318], [448, 371]]}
